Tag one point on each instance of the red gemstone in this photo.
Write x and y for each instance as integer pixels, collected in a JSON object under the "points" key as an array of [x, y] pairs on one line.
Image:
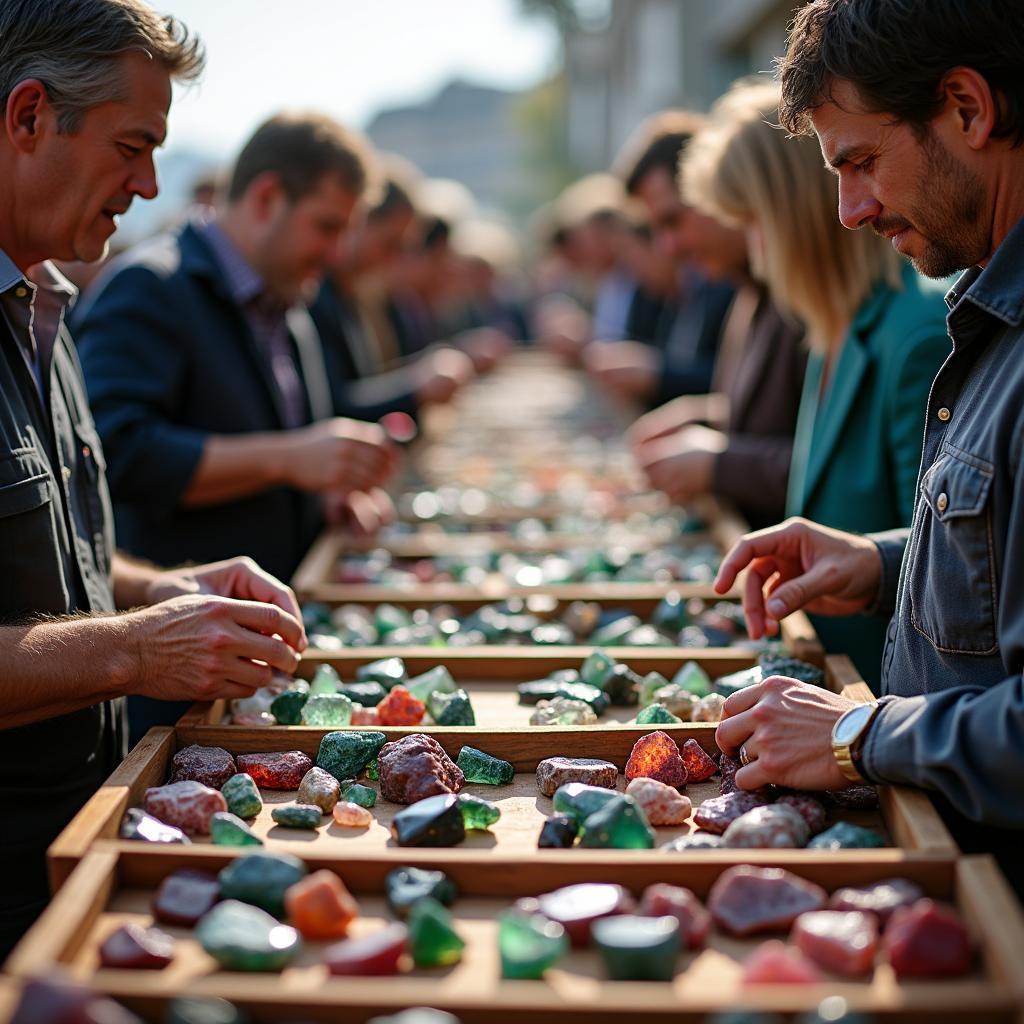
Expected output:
{"points": [[699, 764], [717, 813], [745, 900], [415, 767], [841, 941], [664, 900], [656, 756], [133, 947], [185, 896], [283, 770], [374, 954], [927, 940], [775, 963], [577, 907], [400, 707], [212, 766]]}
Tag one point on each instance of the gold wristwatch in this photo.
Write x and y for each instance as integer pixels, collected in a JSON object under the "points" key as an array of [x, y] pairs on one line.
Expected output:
{"points": [[848, 735]]}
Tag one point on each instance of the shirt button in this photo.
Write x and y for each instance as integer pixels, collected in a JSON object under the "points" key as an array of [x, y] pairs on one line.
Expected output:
{"points": [[944, 414], [21, 291], [942, 503], [66, 473]]}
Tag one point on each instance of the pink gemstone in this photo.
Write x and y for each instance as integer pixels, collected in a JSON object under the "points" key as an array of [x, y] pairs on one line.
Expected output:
{"points": [[662, 804], [745, 900], [881, 898], [664, 900], [841, 941], [717, 813], [811, 810], [351, 815], [375, 954], [186, 805], [577, 907], [927, 940], [365, 716], [133, 947], [767, 828], [185, 896], [775, 963]]}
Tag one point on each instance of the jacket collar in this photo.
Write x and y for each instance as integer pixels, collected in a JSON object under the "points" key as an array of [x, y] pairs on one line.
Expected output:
{"points": [[997, 289]]}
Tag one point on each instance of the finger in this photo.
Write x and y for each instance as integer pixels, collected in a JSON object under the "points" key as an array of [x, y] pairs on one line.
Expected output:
{"points": [[752, 776], [762, 544], [792, 595], [733, 732], [249, 675], [267, 619], [758, 572], [273, 652], [743, 700], [231, 691], [256, 584]]}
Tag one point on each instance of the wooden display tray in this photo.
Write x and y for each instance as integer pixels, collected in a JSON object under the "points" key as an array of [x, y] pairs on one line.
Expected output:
{"points": [[906, 816], [115, 885]]}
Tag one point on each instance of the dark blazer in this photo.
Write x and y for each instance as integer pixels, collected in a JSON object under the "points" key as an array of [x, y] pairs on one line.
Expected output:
{"points": [[169, 358]]}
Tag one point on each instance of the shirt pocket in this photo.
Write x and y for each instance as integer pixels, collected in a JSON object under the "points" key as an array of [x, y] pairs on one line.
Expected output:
{"points": [[951, 574]]}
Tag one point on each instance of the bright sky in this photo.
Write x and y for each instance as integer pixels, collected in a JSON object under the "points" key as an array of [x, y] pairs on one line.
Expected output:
{"points": [[349, 58]]}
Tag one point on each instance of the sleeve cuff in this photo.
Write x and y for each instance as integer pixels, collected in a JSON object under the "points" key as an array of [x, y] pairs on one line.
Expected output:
{"points": [[886, 756], [891, 545]]}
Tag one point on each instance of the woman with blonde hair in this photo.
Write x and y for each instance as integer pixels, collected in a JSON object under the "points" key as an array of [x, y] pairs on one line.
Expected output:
{"points": [[876, 329]]}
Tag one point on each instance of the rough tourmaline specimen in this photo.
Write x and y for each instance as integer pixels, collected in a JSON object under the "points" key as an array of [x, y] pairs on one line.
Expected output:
{"points": [[261, 878], [661, 804], [244, 938], [623, 686], [927, 940], [577, 907], [404, 886], [138, 824], [437, 680], [435, 821], [212, 766], [229, 830], [133, 947], [844, 836], [389, 672], [664, 900], [529, 944], [879, 898], [693, 678], [378, 953], [452, 708], [400, 707], [185, 805], [185, 896], [840, 941], [765, 828], [242, 795], [578, 801], [717, 813], [619, 825], [276, 770], [648, 684], [328, 709], [325, 680], [656, 756], [320, 906], [554, 772], [657, 714], [477, 813], [356, 793], [416, 767], [745, 900], [346, 754], [638, 948], [287, 707], [484, 768], [558, 833], [700, 765], [320, 788], [433, 941], [811, 810]]}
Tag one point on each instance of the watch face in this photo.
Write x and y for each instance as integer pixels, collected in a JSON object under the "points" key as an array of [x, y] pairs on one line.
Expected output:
{"points": [[848, 728]]}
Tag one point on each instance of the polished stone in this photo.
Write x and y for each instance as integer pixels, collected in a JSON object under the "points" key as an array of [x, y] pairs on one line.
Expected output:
{"points": [[619, 825], [433, 941], [261, 878], [229, 830], [529, 944], [404, 886], [638, 948], [244, 938], [435, 821]]}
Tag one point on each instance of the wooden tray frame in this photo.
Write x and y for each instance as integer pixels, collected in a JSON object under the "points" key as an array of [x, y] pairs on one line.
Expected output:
{"points": [[973, 883]]}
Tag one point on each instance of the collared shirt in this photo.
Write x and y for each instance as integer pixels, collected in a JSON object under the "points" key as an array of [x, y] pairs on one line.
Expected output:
{"points": [[266, 318]]}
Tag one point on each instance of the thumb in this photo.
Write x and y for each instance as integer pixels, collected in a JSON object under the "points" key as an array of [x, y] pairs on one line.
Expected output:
{"points": [[797, 593]]}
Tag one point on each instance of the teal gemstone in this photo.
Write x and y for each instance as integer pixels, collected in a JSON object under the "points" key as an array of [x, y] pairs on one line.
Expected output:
{"points": [[287, 707], [435, 821], [638, 948], [244, 938], [405, 886], [437, 680], [651, 682], [597, 669], [620, 825], [646, 636], [327, 709], [297, 815], [346, 754], [261, 878], [325, 680], [367, 695], [693, 678], [387, 618], [483, 768], [452, 708], [657, 714], [242, 796], [389, 672], [477, 813], [671, 612], [433, 941], [736, 681], [616, 631], [229, 830], [843, 836], [529, 944], [579, 801], [358, 794]]}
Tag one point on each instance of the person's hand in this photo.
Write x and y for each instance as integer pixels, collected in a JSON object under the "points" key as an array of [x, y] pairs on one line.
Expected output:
{"points": [[800, 564], [485, 346], [627, 369], [666, 419], [201, 647], [439, 375], [785, 729], [682, 465], [240, 578], [562, 326], [362, 513], [338, 455]]}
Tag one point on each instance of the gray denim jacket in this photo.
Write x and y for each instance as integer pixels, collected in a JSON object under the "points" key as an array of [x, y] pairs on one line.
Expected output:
{"points": [[955, 581]]}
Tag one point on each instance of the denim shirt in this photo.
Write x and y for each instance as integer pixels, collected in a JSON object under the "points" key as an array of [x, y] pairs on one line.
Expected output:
{"points": [[955, 647]]}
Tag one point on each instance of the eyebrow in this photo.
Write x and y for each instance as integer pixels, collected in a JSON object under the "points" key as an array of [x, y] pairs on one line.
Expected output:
{"points": [[150, 138], [846, 156]]}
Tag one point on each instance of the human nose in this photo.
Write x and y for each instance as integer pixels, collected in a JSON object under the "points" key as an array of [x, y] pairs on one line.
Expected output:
{"points": [[143, 182], [857, 206]]}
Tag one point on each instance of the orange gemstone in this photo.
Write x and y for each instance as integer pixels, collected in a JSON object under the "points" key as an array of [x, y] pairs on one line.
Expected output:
{"points": [[400, 707], [365, 716], [320, 906], [352, 815]]}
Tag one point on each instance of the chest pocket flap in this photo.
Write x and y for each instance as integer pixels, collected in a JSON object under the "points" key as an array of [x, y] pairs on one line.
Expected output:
{"points": [[24, 495], [957, 484]]}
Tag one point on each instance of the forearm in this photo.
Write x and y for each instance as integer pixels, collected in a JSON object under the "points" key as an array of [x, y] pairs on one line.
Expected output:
{"points": [[57, 666], [236, 466], [132, 578]]}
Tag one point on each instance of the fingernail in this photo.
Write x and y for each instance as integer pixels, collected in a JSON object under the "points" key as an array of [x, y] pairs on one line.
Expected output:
{"points": [[776, 607]]}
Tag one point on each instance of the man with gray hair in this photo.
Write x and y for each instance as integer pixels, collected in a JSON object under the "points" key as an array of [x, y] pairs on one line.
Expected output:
{"points": [[86, 87]]}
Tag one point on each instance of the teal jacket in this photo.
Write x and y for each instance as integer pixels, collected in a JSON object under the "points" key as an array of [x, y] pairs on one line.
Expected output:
{"points": [[857, 449]]}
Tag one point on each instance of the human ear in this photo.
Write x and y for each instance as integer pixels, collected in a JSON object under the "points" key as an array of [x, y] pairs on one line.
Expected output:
{"points": [[266, 195], [971, 105], [23, 118]]}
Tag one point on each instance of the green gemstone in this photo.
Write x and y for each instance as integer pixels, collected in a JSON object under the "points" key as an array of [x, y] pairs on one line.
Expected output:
{"points": [[650, 682], [229, 830], [327, 709], [358, 794], [616, 631], [484, 768], [529, 944], [638, 948], [657, 714], [433, 941], [242, 796], [287, 707], [452, 708], [387, 618], [736, 681], [389, 672], [297, 815], [367, 695], [579, 801], [619, 825], [844, 836], [623, 686], [326, 680], [373, 771], [406, 886], [671, 612], [476, 812], [244, 938], [437, 680], [597, 669], [261, 878], [693, 678]]}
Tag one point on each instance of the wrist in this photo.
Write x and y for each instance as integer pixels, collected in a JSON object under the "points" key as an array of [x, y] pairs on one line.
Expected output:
{"points": [[849, 735], [278, 461]]}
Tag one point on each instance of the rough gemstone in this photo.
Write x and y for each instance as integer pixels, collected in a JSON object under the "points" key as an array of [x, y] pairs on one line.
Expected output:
{"points": [[529, 944], [927, 940], [619, 825], [622, 686], [840, 941], [578, 801], [244, 938], [656, 756], [136, 948], [277, 770], [437, 680], [612, 633], [259, 719], [745, 900], [346, 754], [184, 896], [319, 788], [320, 906], [880, 898], [549, 689], [694, 841], [855, 798], [452, 708], [680, 702], [767, 828], [404, 886], [648, 685], [242, 796], [372, 770], [400, 707], [229, 830], [327, 709], [577, 907], [185, 805], [435, 821], [694, 679], [728, 766], [775, 663], [139, 825], [559, 832], [563, 711], [388, 672], [261, 878], [638, 948], [356, 793], [717, 813], [726, 686], [378, 953], [480, 767], [297, 815], [477, 813], [365, 716], [287, 708], [363, 695], [700, 765], [597, 669], [664, 900], [657, 714], [844, 836], [661, 804], [433, 941], [325, 680], [416, 767], [554, 772], [775, 963], [212, 766], [811, 810], [350, 815], [709, 708]]}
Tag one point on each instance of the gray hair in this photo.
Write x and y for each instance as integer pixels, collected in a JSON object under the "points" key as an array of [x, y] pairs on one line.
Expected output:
{"points": [[71, 46]]}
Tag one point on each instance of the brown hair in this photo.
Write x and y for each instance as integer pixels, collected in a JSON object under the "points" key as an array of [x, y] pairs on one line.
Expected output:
{"points": [[658, 143]]}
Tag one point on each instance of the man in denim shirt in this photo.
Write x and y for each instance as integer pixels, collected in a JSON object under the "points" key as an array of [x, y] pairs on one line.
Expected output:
{"points": [[919, 108]]}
